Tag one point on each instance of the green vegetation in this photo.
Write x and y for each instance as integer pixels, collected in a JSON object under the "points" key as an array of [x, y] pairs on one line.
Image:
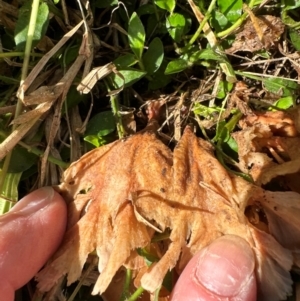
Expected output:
{"points": [[190, 57]]}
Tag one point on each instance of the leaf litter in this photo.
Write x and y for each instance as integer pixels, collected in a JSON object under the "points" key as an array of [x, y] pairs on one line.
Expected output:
{"points": [[187, 191], [257, 33]]}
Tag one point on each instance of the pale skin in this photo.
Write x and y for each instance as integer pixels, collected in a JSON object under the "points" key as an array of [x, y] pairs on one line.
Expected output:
{"points": [[32, 231]]}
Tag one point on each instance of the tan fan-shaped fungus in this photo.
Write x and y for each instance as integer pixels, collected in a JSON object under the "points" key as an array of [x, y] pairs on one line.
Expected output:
{"points": [[136, 182]]}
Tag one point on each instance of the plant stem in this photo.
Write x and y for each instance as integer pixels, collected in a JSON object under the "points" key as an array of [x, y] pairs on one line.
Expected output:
{"points": [[116, 111], [128, 278], [213, 42], [39, 152], [231, 124], [136, 294], [28, 46], [220, 155], [156, 13], [203, 22], [197, 33], [127, 281], [160, 236], [141, 64], [237, 24], [13, 54]]}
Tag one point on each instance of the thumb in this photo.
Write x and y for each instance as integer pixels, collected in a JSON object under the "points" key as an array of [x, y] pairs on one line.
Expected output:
{"points": [[29, 235], [222, 271]]}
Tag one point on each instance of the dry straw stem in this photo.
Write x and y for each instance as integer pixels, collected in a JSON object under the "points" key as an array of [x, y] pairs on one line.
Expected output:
{"points": [[60, 92], [25, 65], [213, 42], [41, 64], [88, 82], [44, 99]]}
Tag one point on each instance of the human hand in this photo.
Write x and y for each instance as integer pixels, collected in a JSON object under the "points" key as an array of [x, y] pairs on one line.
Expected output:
{"points": [[222, 271], [29, 234]]}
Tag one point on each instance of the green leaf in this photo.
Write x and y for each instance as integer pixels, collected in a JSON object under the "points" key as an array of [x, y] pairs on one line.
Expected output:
{"points": [[136, 35], [95, 140], [154, 56], [207, 112], [146, 9], [231, 143], [205, 54], [295, 38], [73, 99], [130, 77], [280, 86], [159, 78], [9, 80], [69, 55], [227, 143], [9, 191], [232, 9], [168, 5], [219, 21], [21, 160], [284, 102], [176, 66], [155, 27], [105, 3], [263, 53], [148, 256], [290, 22], [100, 126], [175, 25], [22, 24], [220, 130], [290, 4], [225, 128], [125, 61], [223, 88]]}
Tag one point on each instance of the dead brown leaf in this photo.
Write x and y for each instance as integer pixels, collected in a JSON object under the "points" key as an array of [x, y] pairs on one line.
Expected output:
{"points": [[187, 191], [269, 147], [115, 231], [87, 84], [257, 33]]}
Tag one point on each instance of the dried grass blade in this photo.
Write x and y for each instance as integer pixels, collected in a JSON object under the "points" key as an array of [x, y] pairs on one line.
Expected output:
{"points": [[37, 69], [96, 74], [62, 87], [226, 67], [8, 144]]}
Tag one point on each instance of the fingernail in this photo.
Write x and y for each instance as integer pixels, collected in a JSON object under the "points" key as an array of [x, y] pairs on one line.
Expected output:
{"points": [[33, 202], [225, 266]]}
